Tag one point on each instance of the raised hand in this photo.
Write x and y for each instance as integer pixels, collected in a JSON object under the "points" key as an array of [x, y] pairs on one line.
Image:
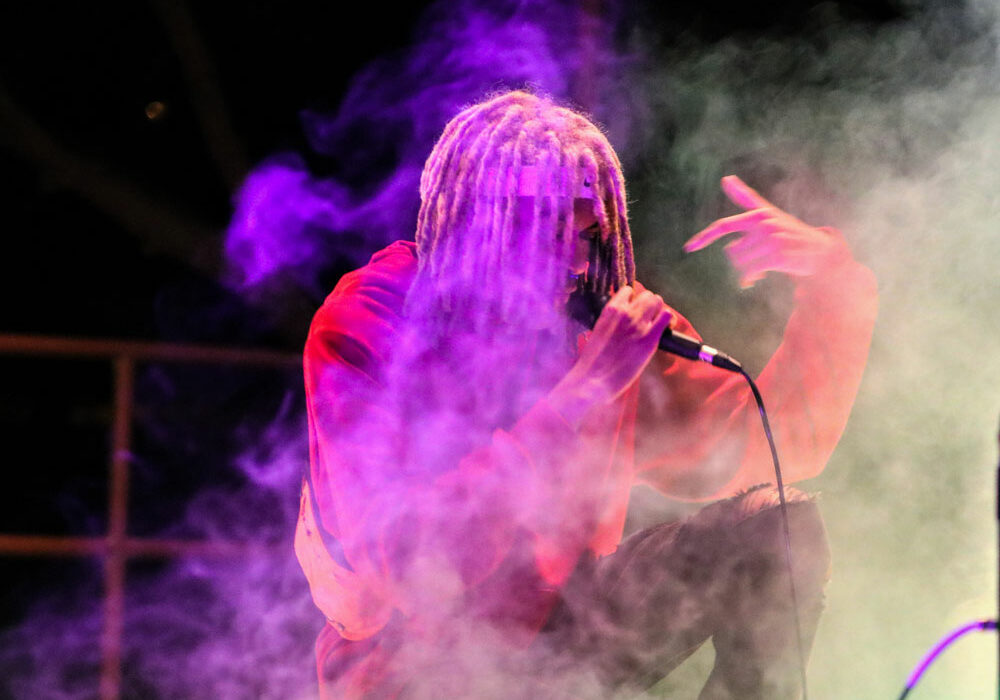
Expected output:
{"points": [[770, 240]]}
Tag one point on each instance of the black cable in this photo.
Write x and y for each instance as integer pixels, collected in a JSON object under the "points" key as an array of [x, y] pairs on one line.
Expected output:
{"points": [[784, 523], [586, 307]]}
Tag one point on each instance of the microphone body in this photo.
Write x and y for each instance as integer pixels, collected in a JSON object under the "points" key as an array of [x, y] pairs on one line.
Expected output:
{"points": [[586, 308], [686, 346]]}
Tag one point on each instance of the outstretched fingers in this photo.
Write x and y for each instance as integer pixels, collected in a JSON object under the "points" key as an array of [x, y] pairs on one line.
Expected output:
{"points": [[725, 226], [770, 239], [742, 195]]}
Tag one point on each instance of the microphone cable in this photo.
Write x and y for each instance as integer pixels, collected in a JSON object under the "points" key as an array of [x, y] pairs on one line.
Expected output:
{"points": [[586, 307], [783, 505]]}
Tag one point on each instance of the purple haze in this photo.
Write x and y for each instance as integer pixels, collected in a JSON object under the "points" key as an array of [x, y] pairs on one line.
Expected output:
{"points": [[237, 628], [287, 224]]}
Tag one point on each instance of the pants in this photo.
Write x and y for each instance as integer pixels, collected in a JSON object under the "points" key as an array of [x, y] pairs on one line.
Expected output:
{"points": [[626, 620], [632, 617]]}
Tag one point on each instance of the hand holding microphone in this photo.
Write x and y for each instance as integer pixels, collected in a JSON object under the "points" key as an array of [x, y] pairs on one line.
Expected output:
{"points": [[628, 327], [624, 338], [587, 308]]}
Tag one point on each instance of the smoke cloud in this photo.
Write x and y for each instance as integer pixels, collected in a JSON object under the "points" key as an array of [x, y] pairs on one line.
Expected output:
{"points": [[889, 132], [289, 222]]}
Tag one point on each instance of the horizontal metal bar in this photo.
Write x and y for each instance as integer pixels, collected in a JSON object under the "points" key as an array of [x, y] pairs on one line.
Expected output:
{"points": [[45, 545], [19, 344], [201, 548]]}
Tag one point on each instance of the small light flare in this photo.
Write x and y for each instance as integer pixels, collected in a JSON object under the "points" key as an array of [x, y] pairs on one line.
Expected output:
{"points": [[155, 110]]}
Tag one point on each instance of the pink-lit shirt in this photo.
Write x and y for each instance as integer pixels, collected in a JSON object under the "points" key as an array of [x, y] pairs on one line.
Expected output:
{"points": [[688, 429]]}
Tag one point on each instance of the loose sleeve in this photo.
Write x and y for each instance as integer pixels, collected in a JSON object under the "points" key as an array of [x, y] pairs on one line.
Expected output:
{"points": [[420, 538], [699, 433]]}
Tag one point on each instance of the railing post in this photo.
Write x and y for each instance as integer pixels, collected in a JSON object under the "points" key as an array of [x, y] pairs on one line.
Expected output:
{"points": [[115, 558], [115, 546]]}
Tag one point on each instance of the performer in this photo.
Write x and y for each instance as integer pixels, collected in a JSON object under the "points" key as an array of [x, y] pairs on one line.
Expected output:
{"points": [[473, 448]]}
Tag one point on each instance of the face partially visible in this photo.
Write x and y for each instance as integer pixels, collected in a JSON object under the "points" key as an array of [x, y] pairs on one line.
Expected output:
{"points": [[585, 231]]}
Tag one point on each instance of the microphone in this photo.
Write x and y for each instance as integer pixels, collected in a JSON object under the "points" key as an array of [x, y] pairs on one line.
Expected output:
{"points": [[585, 307]]}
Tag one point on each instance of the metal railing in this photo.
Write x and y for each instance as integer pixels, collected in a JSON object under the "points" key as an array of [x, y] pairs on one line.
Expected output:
{"points": [[116, 547]]}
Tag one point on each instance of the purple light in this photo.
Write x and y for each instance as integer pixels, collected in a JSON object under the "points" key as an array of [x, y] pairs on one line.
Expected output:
{"points": [[278, 212], [945, 642], [288, 224]]}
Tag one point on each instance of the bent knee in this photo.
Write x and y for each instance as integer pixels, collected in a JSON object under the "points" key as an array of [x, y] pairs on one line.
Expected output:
{"points": [[759, 498], [761, 520]]}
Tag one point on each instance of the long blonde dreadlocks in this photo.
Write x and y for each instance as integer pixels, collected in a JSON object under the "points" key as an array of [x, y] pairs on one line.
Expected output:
{"points": [[467, 245], [478, 351]]}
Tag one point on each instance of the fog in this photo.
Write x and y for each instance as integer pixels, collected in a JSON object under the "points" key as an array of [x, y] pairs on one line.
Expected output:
{"points": [[889, 132]]}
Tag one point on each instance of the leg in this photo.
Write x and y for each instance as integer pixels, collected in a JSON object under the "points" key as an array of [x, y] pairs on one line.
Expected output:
{"points": [[634, 616], [756, 650]]}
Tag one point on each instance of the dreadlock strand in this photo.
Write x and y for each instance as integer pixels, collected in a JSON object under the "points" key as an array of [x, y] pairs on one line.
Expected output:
{"points": [[439, 163], [454, 227], [568, 234], [466, 181], [560, 213], [438, 194], [539, 197], [587, 168], [507, 299], [468, 220], [502, 201], [624, 242], [612, 183], [483, 209], [442, 153], [541, 262]]}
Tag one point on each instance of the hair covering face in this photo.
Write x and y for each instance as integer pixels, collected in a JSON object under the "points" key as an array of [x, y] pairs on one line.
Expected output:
{"points": [[482, 260]]}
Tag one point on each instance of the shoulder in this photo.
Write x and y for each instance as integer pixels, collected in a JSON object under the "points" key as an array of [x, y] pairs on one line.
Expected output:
{"points": [[388, 274], [359, 317]]}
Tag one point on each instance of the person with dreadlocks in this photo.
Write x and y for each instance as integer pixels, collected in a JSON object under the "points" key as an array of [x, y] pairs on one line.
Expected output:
{"points": [[473, 447]]}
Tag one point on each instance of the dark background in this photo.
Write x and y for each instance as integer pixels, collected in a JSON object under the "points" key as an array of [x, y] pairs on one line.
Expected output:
{"points": [[78, 78]]}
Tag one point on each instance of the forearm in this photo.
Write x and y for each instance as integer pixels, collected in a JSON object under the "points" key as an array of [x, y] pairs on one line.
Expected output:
{"points": [[810, 383], [575, 397], [527, 481]]}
